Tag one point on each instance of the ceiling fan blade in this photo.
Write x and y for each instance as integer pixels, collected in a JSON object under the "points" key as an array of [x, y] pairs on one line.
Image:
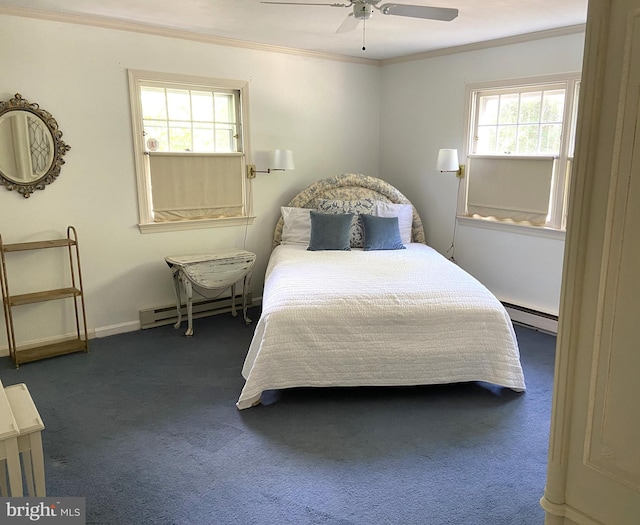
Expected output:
{"points": [[349, 24], [306, 3], [420, 11]]}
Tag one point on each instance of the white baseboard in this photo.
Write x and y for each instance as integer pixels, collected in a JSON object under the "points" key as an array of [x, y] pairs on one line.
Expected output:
{"points": [[114, 329], [91, 334], [4, 351], [103, 331]]}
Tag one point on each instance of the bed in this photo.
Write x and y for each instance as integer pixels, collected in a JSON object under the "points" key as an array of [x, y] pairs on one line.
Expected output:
{"points": [[363, 316]]}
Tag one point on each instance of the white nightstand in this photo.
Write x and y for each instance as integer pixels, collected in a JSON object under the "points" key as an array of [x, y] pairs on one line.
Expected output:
{"points": [[210, 275]]}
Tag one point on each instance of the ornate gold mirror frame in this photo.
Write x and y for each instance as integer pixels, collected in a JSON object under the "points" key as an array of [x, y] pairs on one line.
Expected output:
{"points": [[31, 146]]}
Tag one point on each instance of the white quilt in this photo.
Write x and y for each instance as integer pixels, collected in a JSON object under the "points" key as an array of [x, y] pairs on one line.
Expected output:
{"points": [[356, 318]]}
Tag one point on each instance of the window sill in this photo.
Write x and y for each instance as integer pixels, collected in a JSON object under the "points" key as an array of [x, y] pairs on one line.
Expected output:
{"points": [[523, 229], [197, 224]]}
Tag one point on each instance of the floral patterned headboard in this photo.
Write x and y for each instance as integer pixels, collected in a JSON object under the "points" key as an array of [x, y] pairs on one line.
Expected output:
{"points": [[351, 186]]}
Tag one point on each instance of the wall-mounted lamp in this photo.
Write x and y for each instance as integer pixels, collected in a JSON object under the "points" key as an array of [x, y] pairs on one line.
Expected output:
{"points": [[279, 160], [448, 161]]}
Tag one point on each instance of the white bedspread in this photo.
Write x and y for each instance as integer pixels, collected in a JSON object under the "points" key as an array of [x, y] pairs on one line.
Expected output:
{"points": [[401, 317]]}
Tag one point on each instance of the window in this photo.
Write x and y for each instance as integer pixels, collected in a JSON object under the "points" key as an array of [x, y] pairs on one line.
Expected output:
{"points": [[519, 149], [190, 145]]}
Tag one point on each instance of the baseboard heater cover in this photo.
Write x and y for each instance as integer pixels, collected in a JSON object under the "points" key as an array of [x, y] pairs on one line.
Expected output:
{"points": [[163, 315], [533, 318]]}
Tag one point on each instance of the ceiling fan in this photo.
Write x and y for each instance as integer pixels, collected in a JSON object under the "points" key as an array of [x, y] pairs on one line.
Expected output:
{"points": [[363, 10]]}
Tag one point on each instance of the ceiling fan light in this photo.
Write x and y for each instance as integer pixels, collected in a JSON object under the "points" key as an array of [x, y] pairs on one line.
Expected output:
{"points": [[362, 11]]}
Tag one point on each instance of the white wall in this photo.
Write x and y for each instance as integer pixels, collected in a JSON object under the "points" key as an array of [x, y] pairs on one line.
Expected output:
{"points": [[79, 74], [328, 112], [423, 105]]}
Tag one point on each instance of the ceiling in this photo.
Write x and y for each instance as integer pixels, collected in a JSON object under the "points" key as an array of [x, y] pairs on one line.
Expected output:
{"points": [[313, 28]]}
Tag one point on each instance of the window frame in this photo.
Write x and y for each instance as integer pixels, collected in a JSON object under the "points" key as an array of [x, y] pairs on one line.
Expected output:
{"points": [[556, 225], [145, 208]]}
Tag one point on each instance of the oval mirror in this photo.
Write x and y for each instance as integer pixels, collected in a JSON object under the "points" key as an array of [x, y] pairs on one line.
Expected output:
{"points": [[31, 147]]}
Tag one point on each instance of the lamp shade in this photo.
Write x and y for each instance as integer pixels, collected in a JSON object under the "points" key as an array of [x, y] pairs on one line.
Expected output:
{"points": [[448, 160], [282, 159]]}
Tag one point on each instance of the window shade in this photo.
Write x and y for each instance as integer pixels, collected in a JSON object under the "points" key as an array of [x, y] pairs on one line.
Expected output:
{"points": [[515, 188], [192, 186]]}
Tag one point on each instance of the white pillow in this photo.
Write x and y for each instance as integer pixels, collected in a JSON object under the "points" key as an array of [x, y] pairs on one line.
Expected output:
{"points": [[297, 225], [404, 212]]}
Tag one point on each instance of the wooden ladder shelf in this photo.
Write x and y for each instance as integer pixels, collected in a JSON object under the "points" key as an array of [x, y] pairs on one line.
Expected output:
{"points": [[9, 301]]}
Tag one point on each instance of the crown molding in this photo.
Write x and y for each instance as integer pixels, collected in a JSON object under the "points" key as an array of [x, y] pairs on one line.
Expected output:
{"points": [[506, 41], [135, 27]]}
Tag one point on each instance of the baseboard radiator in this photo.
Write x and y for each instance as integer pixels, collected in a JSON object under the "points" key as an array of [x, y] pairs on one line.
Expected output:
{"points": [[164, 315], [532, 318], [168, 314]]}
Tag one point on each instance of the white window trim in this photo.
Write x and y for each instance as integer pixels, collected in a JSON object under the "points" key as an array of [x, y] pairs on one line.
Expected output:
{"points": [[146, 224], [195, 224], [524, 229], [557, 228]]}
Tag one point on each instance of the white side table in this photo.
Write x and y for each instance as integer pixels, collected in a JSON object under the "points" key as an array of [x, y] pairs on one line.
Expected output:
{"points": [[210, 275]]}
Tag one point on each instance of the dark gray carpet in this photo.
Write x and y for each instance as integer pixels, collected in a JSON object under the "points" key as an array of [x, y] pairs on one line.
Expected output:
{"points": [[145, 427]]}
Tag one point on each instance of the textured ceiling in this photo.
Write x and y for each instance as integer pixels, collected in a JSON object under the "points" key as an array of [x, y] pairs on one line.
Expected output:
{"points": [[314, 28]]}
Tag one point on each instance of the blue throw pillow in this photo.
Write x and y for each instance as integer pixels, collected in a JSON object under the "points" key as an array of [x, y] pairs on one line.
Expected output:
{"points": [[381, 233], [330, 231]]}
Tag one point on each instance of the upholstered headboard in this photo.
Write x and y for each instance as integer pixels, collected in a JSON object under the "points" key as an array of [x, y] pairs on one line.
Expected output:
{"points": [[351, 186]]}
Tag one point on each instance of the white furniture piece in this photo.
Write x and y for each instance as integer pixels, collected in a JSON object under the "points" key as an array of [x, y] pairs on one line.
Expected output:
{"points": [[30, 426], [210, 275], [9, 455]]}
